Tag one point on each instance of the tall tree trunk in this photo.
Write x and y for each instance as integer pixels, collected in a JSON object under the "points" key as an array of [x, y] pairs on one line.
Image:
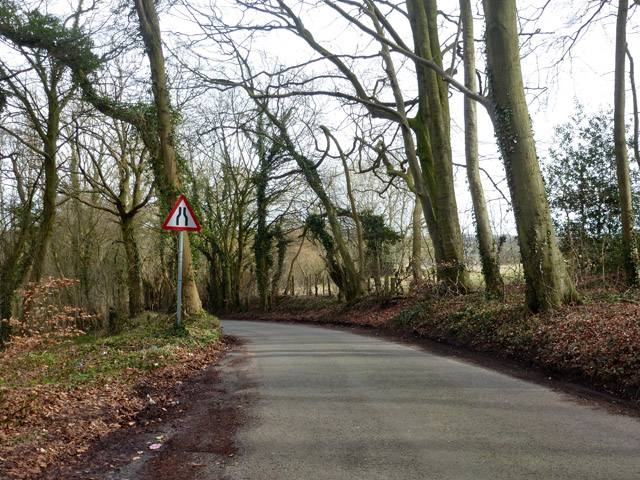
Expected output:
{"points": [[261, 241], [630, 246], [488, 257], [290, 290], [49, 195], [432, 129], [281, 248], [416, 242], [636, 114], [548, 284], [377, 273], [133, 264], [236, 279], [170, 185]]}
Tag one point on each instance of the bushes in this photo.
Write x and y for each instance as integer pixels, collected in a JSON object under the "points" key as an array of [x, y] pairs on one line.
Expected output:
{"points": [[46, 319]]}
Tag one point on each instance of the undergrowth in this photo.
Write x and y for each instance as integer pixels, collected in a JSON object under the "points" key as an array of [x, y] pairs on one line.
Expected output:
{"points": [[61, 387]]}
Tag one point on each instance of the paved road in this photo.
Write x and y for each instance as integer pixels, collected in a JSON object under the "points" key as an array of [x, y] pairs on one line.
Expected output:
{"points": [[332, 405]]}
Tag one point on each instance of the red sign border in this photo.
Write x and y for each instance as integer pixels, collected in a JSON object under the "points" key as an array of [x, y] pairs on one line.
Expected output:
{"points": [[197, 228]]}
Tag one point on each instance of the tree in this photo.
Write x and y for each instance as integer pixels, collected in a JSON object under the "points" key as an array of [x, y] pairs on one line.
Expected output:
{"points": [[17, 220], [169, 183], [270, 158], [378, 237], [548, 283], [223, 190], [486, 247], [115, 168], [73, 48], [432, 130], [631, 257], [352, 201], [41, 98], [416, 242], [289, 143], [428, 157], [583, 191]]}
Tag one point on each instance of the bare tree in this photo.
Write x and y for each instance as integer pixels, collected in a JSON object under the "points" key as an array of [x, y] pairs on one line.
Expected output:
{"points": [[548, 283], [486, 246], [40, 92], [115, 164], [631, 258], [430, 156]]}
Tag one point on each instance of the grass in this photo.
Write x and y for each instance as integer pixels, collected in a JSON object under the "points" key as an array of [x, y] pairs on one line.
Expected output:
{"points": [[149, 342], [57, 398], [511, 272]]}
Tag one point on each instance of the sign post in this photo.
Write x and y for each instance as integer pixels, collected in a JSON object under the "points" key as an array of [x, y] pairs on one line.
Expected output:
{"points": [[181, 218]]}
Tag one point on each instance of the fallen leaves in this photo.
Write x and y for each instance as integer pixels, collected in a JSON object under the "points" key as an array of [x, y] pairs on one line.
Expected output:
{"points": [[46, 425]]}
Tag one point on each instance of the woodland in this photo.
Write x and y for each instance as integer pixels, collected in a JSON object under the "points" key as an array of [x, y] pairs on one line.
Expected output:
{"points": [[314, 141], [319, 160], [341, 157]]}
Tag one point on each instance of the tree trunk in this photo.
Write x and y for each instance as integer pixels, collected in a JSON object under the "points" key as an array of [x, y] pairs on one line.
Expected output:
{"points": [[636, 114], [133, 265], [281, 248], [261, 242], [49, 195], [630, 246], [377, 273], [354, 210], [486, 248], [290, 280], [237, 267], [170, 184], [548, 283], [432, 129], [416, 242], [352, 287]]}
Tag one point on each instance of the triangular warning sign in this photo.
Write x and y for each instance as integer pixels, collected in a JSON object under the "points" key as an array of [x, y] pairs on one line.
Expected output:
{"points": [[181, 217]]}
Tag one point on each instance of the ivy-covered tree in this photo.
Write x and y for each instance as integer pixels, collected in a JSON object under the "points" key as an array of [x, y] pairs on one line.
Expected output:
{"points": [[378, 238], [548, 284], [316, 228], [271, 156], [73, 48]]}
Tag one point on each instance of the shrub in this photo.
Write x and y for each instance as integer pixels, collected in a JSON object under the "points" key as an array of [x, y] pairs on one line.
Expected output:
{"points": [[46, 320]]}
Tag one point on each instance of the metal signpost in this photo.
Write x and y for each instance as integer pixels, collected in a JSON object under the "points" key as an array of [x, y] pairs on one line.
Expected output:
{"points": [[181, 218]]}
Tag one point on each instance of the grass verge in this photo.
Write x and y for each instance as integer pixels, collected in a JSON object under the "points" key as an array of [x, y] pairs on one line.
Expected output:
{"points": [[55, 398]]}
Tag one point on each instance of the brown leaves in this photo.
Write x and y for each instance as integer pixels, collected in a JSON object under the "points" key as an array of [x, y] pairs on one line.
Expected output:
{"points": [[47, 424], [45, 319], [61, 422]]}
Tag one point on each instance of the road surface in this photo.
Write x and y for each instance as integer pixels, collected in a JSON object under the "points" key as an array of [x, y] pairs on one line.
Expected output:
{"points": [[333, 405]]}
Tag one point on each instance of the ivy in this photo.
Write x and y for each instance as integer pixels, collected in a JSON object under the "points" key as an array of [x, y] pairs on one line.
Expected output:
{"points": [[316, 226]]}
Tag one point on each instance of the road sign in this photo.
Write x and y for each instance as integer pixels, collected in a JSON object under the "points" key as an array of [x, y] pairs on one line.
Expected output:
{"points": [[181, 217]]}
